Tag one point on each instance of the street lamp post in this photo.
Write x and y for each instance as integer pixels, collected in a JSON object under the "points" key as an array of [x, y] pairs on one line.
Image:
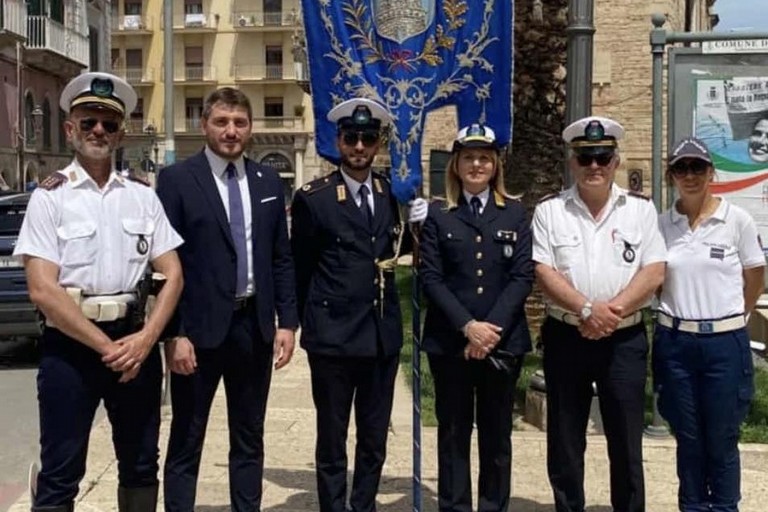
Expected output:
{"points": [[23, 139]]}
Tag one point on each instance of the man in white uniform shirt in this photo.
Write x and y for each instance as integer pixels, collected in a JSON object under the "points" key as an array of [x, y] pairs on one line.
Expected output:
{"points": [[87, 238], [599, 258]]}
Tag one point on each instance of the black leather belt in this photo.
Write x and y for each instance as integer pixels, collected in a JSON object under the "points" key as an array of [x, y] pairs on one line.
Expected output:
{"points": [[242, 303]]}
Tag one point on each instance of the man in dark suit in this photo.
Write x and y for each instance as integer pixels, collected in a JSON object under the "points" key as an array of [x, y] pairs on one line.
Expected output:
{"points": [[345, 231], [239, 273]]}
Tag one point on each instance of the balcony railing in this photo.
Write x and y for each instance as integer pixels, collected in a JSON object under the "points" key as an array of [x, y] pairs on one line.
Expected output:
{"points": [[13, 17], [132, 23], [192, 21], [263, 72], [263, 19], [135, 76], [262, 123], [195, 73], [43, 33], [192, 124]]}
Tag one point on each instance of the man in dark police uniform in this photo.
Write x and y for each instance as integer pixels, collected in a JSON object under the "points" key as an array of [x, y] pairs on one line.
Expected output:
{"points": [[345, 232]]}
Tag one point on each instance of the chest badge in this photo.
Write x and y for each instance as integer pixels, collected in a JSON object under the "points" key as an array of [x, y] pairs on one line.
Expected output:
{"points": [[629, 253], [142, 246], [508, 251]]}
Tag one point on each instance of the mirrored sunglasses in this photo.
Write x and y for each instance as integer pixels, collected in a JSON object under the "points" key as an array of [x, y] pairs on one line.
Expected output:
{"points": [[89, 123], [367, 137], [602, 159], [695, 167]]}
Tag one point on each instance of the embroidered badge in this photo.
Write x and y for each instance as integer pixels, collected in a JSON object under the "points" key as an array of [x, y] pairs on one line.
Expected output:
{"points": [[508, 251]]}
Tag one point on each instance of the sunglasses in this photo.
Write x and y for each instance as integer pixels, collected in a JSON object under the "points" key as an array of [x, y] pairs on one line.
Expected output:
{"points": [[368, 137], [695, 167], [90, 123], [602, 159]]}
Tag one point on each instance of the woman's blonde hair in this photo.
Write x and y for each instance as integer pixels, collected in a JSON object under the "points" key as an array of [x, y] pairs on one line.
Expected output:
{"points": [[453, 185]]}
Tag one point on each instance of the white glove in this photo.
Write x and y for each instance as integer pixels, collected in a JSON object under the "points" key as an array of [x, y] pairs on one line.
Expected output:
{"points": [[417, 210]]}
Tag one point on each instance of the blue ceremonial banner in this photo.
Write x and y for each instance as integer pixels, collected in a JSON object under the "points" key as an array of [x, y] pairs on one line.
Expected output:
{"points": [[413, 56]]}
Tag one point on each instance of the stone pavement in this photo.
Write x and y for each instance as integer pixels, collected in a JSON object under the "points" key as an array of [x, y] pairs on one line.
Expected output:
{"points": [[289, 483]]}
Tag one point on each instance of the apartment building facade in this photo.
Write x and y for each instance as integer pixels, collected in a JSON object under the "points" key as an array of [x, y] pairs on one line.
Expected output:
{"points": [[249, 44], [43, 44]]}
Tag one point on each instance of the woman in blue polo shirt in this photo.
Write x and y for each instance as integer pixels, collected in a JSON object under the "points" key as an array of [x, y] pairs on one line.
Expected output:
{"points": [[701, 357]]}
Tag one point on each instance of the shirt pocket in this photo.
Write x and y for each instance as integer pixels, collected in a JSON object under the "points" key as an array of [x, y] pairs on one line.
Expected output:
{"points": [[567, 250], [78, 244], [138, 236], [452, 248]]}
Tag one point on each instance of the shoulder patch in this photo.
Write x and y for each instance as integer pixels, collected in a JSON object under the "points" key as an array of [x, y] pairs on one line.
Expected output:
{"points": [[138, 179], [319, 184], [639, 195], [549, 196], [53, 181]]}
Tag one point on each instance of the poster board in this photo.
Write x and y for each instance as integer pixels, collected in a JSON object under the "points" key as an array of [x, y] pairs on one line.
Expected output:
{"points": [[723, 100]]}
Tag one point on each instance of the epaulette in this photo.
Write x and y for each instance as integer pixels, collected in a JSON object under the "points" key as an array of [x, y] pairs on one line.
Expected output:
{"points": [[53, 181], [318, 184], [549, 196], [638, 195], [138, 179]]}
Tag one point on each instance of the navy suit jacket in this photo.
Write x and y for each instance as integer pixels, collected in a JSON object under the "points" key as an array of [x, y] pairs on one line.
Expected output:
{"points": [[208, 259], [476, 268]]}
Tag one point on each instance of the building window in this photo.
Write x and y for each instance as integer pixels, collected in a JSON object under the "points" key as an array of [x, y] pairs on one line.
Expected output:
{"points": [[133, 65], [273, 108], [193, 7], [274, 59], [62, 133], [47, 124], [133, 7], [29, 127], [194, 111], [136, 121], [193, 62], [273, 12]]}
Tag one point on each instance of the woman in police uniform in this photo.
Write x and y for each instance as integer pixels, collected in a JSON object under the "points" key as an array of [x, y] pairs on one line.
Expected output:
{"points": [[477, 271], [701, 358]]}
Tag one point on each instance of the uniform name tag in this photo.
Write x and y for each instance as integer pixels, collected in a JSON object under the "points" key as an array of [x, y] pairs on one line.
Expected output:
{"points": [[717, 253]]}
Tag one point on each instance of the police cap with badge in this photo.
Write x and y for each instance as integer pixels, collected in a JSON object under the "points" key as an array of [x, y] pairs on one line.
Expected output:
{"points": [[360, 114], [100, 91], [593, 136], [475, 136]]}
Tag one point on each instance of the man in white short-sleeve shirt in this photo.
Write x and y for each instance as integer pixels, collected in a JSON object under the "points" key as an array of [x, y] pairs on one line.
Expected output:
{"points": [[87, 238], [599, 257]]}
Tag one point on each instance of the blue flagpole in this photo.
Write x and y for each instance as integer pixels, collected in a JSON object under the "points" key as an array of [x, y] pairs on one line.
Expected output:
{"points": [[416, 375]]}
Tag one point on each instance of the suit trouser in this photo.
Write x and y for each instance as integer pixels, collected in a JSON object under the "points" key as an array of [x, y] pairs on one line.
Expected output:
{"points": [[705, 386], [617, 364], [336, 382], [461, 388], [244, 360], [71, 382]]}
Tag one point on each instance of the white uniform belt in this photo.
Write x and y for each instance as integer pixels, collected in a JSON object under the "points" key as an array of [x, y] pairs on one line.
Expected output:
{"points": [[701, 326], [100, 308], [572, 318]]}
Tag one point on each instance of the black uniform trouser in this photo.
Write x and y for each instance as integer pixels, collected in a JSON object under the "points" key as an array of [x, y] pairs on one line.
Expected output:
{"points": [[617, 364], [244, 361], [465, 390], [71, 382], [336, 382]]}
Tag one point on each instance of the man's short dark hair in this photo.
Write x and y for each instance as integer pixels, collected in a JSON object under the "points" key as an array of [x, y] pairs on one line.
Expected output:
{"points": [[230, 97]]}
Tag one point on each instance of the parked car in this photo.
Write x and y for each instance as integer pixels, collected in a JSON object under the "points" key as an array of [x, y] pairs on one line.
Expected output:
{"points": [[18, 316]]}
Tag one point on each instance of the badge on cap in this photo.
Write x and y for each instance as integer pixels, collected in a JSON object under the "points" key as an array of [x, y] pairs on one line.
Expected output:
{"points": [[142, 246], [102, 87], [594, 131]]}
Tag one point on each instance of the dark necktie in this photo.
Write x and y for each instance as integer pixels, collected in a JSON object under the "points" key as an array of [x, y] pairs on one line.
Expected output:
{"points": [[237, 227], [365, 208], [475, 204]]}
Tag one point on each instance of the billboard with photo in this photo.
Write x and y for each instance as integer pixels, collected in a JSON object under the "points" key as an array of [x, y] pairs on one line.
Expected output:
{"points": [[723, 100]]}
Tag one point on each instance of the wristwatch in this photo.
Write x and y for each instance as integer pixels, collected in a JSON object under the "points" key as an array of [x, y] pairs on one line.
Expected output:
{"points": [[586, 310]]}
